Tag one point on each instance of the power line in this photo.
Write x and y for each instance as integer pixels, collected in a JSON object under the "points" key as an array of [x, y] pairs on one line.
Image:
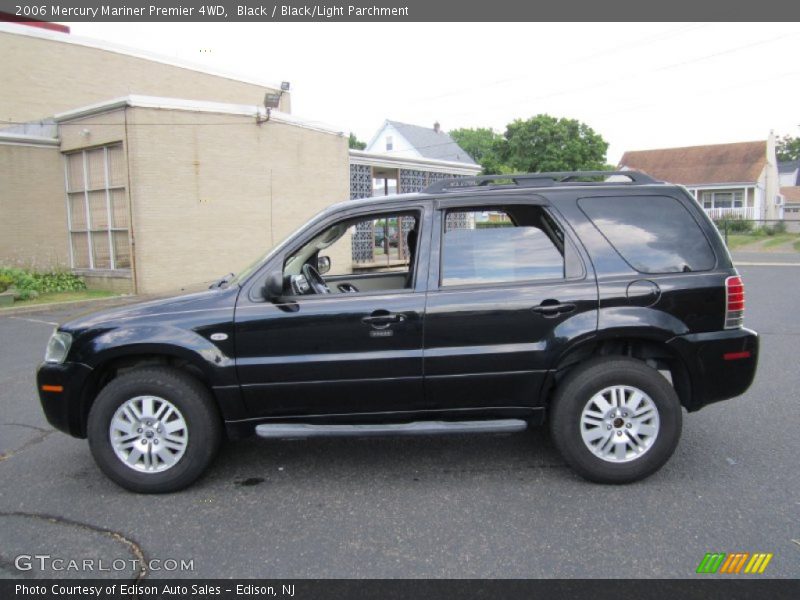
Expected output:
{"points": [[607, 81], [634, 44]]}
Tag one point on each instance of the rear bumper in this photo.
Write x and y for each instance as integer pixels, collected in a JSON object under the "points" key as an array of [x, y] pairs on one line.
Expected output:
{"points": [[721, 364], [63, 409]]}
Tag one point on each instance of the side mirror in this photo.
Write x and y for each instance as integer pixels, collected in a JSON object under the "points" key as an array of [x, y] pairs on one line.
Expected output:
{"points": [[273, 287], [323, 264]]}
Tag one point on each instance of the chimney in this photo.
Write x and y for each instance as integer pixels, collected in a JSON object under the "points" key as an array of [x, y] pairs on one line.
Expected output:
{"points": [[436, 126]]}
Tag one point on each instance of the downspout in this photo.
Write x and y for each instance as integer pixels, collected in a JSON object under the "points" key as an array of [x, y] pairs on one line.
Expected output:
{"points": [[131, 237]]}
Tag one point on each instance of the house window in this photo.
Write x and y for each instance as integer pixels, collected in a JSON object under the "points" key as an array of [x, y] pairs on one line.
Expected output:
{"points": [[389, 143], [97, 209], [722, 200]]}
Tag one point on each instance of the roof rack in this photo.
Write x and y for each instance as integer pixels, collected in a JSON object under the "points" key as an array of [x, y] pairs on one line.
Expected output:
{"points": [[537, 180]]}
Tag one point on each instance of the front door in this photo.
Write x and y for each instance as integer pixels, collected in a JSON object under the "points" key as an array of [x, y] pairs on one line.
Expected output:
{"points": [[507, 288], [357, 349]]}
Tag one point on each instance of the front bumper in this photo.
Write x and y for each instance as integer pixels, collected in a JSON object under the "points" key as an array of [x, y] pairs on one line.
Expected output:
{"points": [[721, 364], [63, 409]]}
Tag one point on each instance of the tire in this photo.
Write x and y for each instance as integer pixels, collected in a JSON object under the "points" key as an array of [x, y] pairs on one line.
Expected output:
{"points": [[648, 440], [188, 428]]}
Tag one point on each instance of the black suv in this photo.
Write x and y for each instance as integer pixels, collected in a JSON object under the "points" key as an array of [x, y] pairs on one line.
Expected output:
{"points": [[600, 302]]}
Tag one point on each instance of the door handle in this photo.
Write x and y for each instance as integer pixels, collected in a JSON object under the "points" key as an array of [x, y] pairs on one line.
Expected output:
{"points": [[552, 308], [382, 320]]}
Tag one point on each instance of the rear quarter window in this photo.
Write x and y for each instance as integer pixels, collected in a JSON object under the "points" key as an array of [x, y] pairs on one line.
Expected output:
{"points": [[654, 234]]}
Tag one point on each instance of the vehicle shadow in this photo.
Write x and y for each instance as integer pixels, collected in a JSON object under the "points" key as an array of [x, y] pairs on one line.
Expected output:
{"points": [[251, 461]]}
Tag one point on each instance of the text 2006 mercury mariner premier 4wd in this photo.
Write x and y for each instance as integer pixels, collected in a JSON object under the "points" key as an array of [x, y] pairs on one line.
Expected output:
{"points": [[484, 304]]}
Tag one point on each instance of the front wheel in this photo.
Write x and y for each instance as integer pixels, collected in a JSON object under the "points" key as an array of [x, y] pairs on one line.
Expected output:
{"points": [[154, 430], [615, 420]]}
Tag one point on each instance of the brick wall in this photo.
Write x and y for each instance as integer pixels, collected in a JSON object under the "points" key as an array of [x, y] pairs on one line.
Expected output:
{"points": [[33, 213], [212, 192], [47, 76]]}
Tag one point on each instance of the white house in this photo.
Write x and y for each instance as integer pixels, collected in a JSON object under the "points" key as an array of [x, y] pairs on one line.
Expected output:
{"points": [[737, 180], [402, 140]]}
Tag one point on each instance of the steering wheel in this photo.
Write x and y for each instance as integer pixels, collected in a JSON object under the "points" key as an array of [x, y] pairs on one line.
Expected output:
{"points": [[315, 280]]}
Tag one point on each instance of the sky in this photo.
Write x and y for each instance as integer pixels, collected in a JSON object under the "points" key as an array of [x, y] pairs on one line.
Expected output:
{"points": [[638, 85]]}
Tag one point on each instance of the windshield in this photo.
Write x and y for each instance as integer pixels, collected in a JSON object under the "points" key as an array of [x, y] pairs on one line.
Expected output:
{"points": [[256, 264]]}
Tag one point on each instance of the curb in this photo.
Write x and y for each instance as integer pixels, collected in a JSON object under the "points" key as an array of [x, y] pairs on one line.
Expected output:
{"points": [[109, 301]]}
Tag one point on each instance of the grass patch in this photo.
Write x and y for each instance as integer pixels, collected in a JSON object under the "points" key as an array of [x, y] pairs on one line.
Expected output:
{"points": [[737, 240], [779, 239], [797, 246], [50, 297]]}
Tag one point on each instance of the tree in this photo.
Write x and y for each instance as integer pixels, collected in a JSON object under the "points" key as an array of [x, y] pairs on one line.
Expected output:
{"points": [[544, 143], [482, 144], [354, 143], [788, 148]]}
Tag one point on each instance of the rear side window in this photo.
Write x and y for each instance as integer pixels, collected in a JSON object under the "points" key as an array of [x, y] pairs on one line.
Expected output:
{"points": [[501, 245], [654, 234]]}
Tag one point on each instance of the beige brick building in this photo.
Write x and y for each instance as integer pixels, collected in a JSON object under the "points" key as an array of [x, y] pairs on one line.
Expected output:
{"points": [[47, 72], [148, 193]]}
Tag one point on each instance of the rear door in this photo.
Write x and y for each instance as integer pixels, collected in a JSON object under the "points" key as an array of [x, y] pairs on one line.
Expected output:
{"points": [[507, 288]]}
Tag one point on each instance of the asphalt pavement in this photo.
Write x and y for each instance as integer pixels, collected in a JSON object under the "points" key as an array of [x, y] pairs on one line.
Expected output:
{"points": [[477, 506]]}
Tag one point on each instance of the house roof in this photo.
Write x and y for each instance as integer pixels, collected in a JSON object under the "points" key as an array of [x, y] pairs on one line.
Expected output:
{"points": [[720, 163], [432, 144], [787, 166], [375, 159], [791, 194]]}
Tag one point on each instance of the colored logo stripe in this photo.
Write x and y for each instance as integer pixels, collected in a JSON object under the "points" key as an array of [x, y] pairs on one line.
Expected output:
{"points": [[711, 562], [758, 563], [735, 562]]}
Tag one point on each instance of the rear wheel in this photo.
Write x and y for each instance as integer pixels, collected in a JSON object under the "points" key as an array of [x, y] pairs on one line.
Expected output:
{"points": [[154, 430], [615, 420]]}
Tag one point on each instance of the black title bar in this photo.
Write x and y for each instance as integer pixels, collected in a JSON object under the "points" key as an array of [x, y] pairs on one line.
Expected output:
{"points": [[398, 10], [700, 588]]}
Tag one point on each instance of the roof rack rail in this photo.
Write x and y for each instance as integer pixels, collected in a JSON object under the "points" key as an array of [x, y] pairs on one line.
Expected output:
{"points": [[536, 180]]}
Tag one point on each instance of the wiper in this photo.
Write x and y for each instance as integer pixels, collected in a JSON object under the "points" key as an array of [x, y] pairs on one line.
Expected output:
{"points": [[222, 282]]}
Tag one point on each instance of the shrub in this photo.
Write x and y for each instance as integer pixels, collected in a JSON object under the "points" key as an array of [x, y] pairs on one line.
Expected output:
{"points": [[734, 225], [5, 282], [25, 295], [53, 281]]}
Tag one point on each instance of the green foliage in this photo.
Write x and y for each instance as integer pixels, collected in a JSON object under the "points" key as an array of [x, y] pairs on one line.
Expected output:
{"points": [[53, 281], [5, 282], [483, 145], [734, 225], [788, 148], [775, 228], [544, 143], [354, 143], [25, 295]]}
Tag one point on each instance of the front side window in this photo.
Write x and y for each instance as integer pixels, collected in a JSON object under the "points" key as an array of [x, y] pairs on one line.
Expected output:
{"points": [[500, 245], [654, 234], [367, 253], [97, 208]]}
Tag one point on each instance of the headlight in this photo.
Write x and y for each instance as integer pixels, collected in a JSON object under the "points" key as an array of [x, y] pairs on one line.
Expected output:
{"points": [[58, 347]]}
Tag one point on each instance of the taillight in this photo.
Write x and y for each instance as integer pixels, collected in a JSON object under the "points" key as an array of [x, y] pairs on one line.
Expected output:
{"points": [[734, 302]]}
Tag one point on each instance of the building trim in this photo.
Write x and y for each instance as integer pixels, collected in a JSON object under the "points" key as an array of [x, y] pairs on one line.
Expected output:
{"points": [[720, 186], [203, 106], [64, 38], [20, 139], [360, 157]]}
